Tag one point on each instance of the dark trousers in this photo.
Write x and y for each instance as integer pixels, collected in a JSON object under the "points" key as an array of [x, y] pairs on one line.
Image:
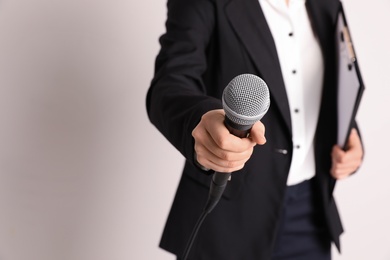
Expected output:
{"points": [[302, 234]]}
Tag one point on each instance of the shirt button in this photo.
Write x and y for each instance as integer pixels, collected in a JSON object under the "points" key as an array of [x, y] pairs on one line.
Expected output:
{"points": [[296, 110], [291, 34], [294, 71], [297, 146]]}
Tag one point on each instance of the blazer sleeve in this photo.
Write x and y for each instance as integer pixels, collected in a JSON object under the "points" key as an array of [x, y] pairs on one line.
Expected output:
{"points": [[176, 99]]}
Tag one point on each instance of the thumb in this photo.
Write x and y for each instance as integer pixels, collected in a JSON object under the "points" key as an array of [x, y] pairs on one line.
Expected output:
{"points": [[257, 133]]}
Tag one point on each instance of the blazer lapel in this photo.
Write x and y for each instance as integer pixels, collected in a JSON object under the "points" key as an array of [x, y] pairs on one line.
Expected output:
{"points": [[248, 21]]}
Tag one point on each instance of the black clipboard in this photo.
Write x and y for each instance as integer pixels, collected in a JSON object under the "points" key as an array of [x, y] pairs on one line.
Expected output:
{"points": [[350, 83]]}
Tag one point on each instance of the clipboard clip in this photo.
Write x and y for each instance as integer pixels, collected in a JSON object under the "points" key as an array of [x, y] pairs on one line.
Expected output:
{"points": [[346, 37]]}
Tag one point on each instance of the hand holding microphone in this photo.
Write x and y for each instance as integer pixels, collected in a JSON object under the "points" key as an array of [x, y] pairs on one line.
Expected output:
{"points": [[217, 149], [218, 136]]}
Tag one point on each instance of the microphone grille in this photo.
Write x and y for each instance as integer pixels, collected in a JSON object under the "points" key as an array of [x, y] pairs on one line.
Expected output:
{"points": [[246, 99]]}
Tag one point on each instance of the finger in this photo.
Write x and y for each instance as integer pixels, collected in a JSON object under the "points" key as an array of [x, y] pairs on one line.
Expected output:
{"points": [[211, 161], [257, 133], [226, 167], [219, 156], [228, 142], [354, 148], [342, 170], [204, 139], [338, 154], [354, 153], [355, 145], [345, 168], [343, 163], [354, 139], [339, 176]]}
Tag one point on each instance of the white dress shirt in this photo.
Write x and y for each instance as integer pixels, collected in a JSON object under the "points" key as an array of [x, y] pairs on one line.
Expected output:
{"points": [[302, 67]]}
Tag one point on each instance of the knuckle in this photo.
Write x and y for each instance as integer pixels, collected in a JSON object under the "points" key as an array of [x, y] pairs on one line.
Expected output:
{"points": [[198, 149], [338, 173], [202, 161], [197, 144], [225, 156], [231, 165], [221, 142], [342, 159], [195, 132]]}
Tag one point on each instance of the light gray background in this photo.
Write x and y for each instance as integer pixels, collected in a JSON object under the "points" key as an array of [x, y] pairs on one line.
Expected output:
{"points": [[85, 176]]}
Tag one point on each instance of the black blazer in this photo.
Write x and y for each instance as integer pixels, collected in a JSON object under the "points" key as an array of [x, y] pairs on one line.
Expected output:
{"points": [[207, 43]]}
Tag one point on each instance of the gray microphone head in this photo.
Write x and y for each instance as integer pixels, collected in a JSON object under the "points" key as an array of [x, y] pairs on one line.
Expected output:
{"points": [[246, 99]]}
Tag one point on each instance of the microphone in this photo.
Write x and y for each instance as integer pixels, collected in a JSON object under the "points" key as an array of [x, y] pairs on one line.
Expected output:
{"points": [[245, 101]]}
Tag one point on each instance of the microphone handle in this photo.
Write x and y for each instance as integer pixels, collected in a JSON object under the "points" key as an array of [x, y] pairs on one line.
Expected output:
{"points": [[217, 187]]}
